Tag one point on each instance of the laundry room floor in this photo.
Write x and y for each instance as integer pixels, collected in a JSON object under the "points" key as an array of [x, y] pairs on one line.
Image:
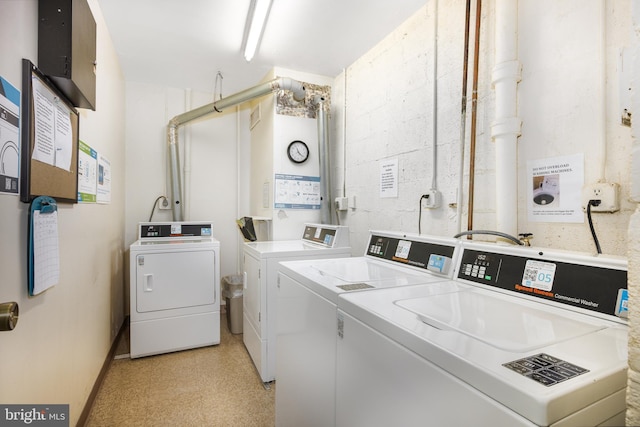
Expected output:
{"points": [[209, 386]]}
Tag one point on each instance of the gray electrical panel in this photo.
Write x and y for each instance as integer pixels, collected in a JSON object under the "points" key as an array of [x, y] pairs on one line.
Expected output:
{"points": [[67, 48]]}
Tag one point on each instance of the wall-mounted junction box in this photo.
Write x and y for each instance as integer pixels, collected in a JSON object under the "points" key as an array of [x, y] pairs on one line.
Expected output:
{"points": [[342, 203], [605, 194]]}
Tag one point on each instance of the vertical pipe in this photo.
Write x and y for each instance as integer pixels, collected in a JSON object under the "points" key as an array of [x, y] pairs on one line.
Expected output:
{"points": [[323, 150], [344, 137], [463, 115], [239, 181], [474, 110], [506, 127], [174, 165], [603, 91], [434, 172], [186, 205]]}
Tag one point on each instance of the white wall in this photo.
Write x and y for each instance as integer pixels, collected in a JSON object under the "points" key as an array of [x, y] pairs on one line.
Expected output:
{"points": [[633, 388], [211, 186], [63, 335], [389, 108], [269, 141]]}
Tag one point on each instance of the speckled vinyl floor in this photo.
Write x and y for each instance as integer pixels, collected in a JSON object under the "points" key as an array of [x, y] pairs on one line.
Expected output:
{"points": [[210, 386]]}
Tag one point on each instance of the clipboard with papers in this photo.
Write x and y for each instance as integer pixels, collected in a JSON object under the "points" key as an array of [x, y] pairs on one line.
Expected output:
{"points": [[44, 255]]}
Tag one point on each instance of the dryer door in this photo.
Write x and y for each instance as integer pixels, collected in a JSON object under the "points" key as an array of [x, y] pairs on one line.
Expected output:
{"points": [[170, 280]]}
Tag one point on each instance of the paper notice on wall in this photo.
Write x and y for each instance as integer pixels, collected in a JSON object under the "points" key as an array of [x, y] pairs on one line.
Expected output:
{"points": [[53, 139], [46, 254], [63, 135], [104, 180], [87, 173], [389, 178], [554, 189], [9, 138]]}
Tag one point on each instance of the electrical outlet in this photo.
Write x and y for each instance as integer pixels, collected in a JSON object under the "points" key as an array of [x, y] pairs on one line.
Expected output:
{"points": [[432, 200], [608, 194], [164, 203], [342, 203]]}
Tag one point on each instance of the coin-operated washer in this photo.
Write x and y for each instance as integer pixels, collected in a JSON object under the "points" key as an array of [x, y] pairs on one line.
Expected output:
{"points": [[175, 288], [308, 295], [537, 338], [261, 266]]}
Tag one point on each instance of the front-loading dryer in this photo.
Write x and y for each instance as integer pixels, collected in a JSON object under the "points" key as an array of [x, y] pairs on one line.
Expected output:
{"points": [[174, 288]]}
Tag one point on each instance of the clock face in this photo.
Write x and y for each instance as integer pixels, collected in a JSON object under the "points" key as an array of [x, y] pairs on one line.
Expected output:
{"points": [[298, 152]]}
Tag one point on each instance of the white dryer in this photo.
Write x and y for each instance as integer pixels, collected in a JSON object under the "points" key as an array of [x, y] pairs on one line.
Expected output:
{"points": [[174, 288], [307, 307], [261, 263], [537, 338]]}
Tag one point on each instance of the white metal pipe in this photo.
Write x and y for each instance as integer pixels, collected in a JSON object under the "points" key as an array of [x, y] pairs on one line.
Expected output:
{"points": [[434, 149], [603, 91], [506, 127], [282, 83], [239, 185]]}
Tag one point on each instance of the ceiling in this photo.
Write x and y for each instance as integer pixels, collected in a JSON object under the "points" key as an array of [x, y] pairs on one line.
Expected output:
{"points": [[184, 43]]}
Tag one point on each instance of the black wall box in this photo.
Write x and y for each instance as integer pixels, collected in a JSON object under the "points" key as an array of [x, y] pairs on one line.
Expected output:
{"points": [[67, 48]]}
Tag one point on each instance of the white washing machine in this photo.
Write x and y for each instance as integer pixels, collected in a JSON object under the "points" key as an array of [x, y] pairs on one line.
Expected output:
{"points": [[307, 306], [537, 338], [261, 272], [174, 288]]}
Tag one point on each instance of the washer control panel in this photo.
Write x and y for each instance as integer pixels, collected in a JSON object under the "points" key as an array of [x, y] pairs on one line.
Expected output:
{"points": [[549, 276], [432, 256]]}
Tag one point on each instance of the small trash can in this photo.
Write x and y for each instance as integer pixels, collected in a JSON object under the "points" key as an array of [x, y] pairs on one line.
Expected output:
{"points": [[232, 293]]}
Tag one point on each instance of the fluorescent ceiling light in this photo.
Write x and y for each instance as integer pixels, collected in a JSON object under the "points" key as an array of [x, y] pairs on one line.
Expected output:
{"points": [[254, 28]]}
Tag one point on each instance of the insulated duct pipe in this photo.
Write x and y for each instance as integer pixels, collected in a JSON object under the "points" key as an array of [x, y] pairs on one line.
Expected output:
{"points": [[507, 125], [325, 167], [282, 83]]}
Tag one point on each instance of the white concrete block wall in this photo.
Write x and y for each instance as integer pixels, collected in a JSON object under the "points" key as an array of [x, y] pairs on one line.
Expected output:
{"points": [[633, 388], [389, 94]]}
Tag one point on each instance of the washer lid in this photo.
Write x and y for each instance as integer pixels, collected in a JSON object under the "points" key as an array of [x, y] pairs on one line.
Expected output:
{"points": [[510, 324], [360, 269]]}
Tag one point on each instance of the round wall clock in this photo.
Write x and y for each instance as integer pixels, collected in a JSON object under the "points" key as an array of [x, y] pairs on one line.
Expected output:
{"points": [[298, 152]]}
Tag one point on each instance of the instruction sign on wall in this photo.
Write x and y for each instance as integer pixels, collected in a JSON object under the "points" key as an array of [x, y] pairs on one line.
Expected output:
{"points": [[297, 192], [389, 178], [554, 189]]}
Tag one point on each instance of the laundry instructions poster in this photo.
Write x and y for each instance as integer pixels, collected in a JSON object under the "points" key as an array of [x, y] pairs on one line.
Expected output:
{"points": [[554, 189], [9, 138]]}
